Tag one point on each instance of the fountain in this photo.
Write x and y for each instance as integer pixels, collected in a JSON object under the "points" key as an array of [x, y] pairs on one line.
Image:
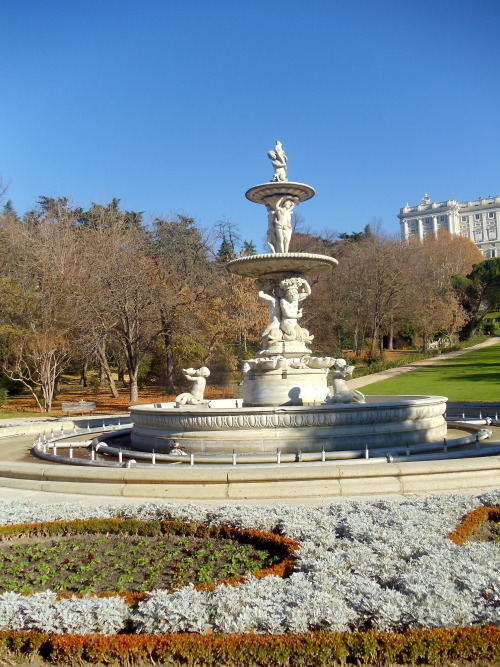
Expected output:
{"points": [[291, 435], [287, 405]]}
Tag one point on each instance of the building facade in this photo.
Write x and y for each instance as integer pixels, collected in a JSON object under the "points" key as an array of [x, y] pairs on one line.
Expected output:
{"points": [[478, 220]]}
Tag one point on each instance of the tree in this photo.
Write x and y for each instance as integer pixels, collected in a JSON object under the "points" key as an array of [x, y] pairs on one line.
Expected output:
{"points": [[39, 305], [226, 252], [480, 291], [9, 210], [119, 291], [227, 232], [186, 277], [248, 248], [434, 306]]}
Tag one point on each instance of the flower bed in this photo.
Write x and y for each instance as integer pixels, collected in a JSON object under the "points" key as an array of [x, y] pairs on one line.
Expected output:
{"points": [[130, 556], [378, 567]]}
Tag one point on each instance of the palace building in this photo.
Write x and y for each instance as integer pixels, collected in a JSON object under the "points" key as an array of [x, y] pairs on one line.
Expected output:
{"points": [[478, 220]]}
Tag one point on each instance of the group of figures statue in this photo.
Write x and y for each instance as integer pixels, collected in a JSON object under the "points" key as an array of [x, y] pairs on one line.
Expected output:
{"points": [[279, 227], [278, 160], [279, 210], [283, 298]]}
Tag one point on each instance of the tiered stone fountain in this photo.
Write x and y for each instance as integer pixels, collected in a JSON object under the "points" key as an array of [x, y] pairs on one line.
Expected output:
{"points": [[287, 404]]}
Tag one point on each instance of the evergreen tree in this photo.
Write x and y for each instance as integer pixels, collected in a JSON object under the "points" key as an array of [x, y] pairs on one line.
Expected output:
{"points": [[9, 210], [226, 251], [248, 248]]}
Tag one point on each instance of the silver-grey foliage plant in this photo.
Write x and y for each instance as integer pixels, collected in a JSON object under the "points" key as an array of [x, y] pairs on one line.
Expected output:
{"points": [[384, 564]]}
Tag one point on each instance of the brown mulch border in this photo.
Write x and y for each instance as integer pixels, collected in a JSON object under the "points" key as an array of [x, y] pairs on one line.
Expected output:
{"points": [[471, 524], [474, 646]]}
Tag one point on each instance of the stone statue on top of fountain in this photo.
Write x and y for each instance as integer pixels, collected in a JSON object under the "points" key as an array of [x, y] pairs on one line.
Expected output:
{"points": [[278, 160]]}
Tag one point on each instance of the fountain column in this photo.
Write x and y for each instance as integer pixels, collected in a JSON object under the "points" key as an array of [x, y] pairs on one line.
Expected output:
{"points": [[284, 371]]}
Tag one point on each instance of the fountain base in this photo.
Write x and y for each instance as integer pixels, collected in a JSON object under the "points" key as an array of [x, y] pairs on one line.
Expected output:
{"points": [[227, 426]]}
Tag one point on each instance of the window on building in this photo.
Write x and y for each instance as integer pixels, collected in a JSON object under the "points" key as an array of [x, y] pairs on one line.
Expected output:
{"points": [[442, 218], [492, 233], [491, 215], [465, 218], [477, 216]]}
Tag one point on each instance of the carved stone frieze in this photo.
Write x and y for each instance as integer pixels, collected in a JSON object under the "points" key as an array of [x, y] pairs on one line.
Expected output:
{"points": [[286, 418]]}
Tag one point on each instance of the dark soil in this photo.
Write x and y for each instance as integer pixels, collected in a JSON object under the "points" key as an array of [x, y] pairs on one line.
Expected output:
{"points": [[488, 531], [119, 563]]}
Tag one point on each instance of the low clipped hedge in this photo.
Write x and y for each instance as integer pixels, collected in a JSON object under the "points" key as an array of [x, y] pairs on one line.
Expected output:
{"points": [[282, 546], [466, 530], [479, 646]]}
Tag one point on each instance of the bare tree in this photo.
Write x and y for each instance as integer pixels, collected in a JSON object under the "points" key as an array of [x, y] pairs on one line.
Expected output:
{"points": [[40, 261]]}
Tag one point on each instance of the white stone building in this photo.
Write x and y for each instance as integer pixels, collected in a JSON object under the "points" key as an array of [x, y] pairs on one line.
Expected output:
{"points": [[478, 220]]}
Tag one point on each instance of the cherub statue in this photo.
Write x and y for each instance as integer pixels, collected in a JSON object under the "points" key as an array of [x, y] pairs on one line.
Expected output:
{"points": [[278, 160], [293, 291], [340, 392], [272, 333], [198, 378]]}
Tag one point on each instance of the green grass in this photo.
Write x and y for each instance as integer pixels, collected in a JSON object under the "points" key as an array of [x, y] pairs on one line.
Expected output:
{"points": [[18, 414], [473, 376]]}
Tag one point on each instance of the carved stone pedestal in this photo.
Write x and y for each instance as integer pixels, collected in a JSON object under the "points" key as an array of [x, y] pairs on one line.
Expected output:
{"points": [[288, 386]]}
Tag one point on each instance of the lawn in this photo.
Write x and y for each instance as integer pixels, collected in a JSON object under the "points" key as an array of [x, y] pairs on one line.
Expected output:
{"points": [[474, 376], [16, 414]]}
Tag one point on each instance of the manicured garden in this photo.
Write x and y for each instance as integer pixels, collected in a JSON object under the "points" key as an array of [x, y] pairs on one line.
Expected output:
{"points": [[473, 376], [374, 582], [90, 563]]}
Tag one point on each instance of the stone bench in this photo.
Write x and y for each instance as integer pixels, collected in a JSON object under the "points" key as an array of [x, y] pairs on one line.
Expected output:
{"points": [[80, 407]]}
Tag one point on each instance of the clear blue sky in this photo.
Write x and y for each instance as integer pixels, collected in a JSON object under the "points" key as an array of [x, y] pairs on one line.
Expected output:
{"points": [[172, 105]]}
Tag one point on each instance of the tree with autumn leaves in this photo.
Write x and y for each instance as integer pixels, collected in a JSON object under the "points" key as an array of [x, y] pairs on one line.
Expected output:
{"points": [[103, 287]]}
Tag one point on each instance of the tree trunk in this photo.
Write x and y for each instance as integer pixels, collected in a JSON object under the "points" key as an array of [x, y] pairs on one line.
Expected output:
{"points": [[121, 372], [169, 358], [390, 344], [373, 344], [355, 339], [83, 373], [132, 359], [57, 384], [102, 375], [134, 388], [103, 361]]}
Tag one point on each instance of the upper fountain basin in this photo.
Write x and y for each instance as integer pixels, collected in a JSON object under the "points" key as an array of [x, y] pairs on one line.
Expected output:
{"points": [[259, 193], [276, 264]]}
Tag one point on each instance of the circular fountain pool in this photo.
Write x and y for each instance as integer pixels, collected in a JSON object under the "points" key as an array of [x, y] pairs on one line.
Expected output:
{"points": [[226, 426]]}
